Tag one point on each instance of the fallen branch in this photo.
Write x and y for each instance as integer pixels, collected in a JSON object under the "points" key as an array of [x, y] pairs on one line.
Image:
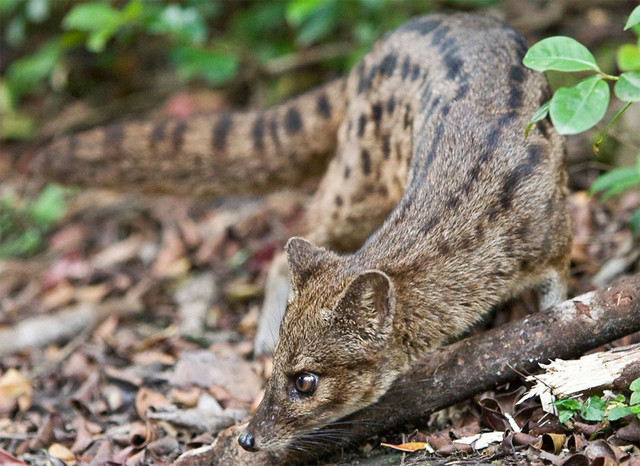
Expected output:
{"points": [[463, 369], [616, 368]]}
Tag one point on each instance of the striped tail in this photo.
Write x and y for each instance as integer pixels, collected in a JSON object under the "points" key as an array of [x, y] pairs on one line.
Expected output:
{"points": [[216, 155]]}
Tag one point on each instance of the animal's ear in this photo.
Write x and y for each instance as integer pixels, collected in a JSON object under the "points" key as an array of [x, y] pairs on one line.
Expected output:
{"points": [[367, 305], [304, 260]]}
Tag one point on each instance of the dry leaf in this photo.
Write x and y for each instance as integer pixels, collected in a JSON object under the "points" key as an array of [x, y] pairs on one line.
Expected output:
{"points": [[411, 446], [147, 398], [7, 459], [61, 452], [14, 389]]}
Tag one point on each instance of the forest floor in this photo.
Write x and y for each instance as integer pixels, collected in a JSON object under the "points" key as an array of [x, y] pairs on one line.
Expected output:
{"points": [[128, 338]]}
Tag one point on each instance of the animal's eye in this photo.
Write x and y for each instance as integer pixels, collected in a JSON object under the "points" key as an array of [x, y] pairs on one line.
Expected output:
{"points": [[306, 383]]}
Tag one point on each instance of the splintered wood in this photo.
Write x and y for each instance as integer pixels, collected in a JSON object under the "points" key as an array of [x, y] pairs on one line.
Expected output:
{"points": [[564, 379]]}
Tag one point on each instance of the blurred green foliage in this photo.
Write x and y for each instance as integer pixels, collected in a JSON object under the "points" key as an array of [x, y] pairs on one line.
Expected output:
{"points": [[23, 222], [208, 40]]}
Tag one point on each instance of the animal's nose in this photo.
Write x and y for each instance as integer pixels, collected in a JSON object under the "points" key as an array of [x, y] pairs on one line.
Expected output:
{"points": [[247, 441]]}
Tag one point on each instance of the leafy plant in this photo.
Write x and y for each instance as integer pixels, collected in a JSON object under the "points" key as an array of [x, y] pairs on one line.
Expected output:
{"points": [[581, 106], [596, 409], [23, 223]]}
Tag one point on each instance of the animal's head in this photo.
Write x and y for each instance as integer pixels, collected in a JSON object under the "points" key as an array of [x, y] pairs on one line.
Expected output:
{"points": [[334, 353]]}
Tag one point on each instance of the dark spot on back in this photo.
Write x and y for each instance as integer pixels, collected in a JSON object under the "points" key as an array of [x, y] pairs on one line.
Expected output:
{"points": [[415, 72], [178, 136], [407, 116], [452, 202], [292, 121], [535, 154], [462, 90], [221, 131], [444, 111], [516, 74], [366, 80], [512, 182], [366, 161], [443, 248], [506, 118], [388, 64], [453, 63], [386, 146], [347, 172], [434, 145], [376, 114], [521, 45], [439, 35], [479, 233], [515, 97], [323, 107], [362, 121], [466, 242], [391, 105], [257, 133], [406, 67], [339, 201]]}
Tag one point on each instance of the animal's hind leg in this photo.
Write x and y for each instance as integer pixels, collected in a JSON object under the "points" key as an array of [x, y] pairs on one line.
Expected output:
{"points": [[553, 289]]}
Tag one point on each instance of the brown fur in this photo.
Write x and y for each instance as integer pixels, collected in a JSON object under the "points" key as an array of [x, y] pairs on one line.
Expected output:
{"points": [[440, 205]]}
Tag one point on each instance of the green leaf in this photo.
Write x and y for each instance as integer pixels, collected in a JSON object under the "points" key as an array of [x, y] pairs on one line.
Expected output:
{"points": [[610, 181], [564, 415], [16, 126], [7, 6], [25, 74], [593, 409], [627, 87], [93, 16], [300, 10], [185, 24], [98, 19], [577, 108], [97, 40], [628, 57], [635, 385], [635, 398], [561, 54], [15, 32], [49, 207], [27, 243], [213, 66], [634, 18], [37, 10], [570, 404], [539, 115], [619, 412]]}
